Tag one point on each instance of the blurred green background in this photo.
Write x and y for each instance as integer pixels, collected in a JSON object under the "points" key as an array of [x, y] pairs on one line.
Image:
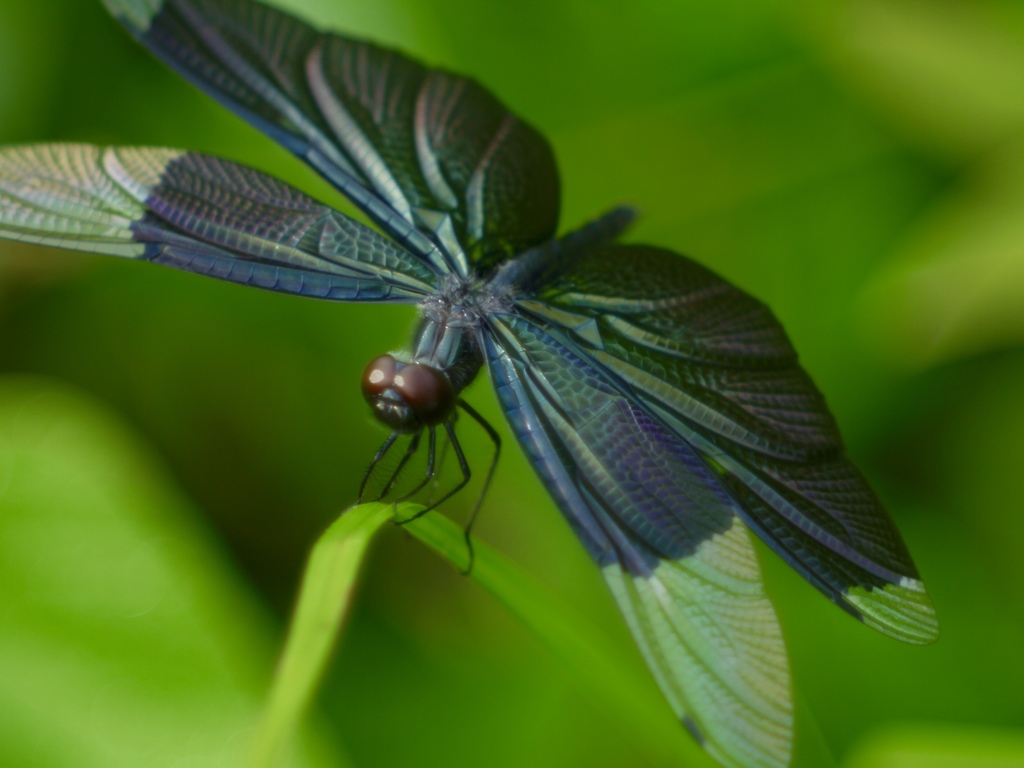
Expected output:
{"points": [[170, 447]]}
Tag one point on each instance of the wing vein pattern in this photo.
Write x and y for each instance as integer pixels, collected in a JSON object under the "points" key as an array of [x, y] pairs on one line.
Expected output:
{"points": [[715, 366], [201, 214], [666, 534], [433, 158]]}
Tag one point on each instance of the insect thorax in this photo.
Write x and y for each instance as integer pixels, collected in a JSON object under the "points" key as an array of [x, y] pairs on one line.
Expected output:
{"points": [[448, 336]]}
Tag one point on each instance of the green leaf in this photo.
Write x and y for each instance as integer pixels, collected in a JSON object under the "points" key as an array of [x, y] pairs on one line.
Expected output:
{"points": [[125, 639], [325, 596], [324, 600]]}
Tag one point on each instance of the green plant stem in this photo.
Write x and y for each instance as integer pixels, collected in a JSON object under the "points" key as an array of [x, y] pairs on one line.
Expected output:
{"points": [[324, 598]]}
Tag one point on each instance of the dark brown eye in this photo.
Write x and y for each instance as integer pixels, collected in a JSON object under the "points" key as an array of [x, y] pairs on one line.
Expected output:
{"points": [[427, 391], [378, 376]]}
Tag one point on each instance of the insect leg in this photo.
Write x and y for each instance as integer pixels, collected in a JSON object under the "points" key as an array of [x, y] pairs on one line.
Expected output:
{"points": [[414, 445], [496, 439], [463, 465], [437, 475], [429, 475], [381, 453]]}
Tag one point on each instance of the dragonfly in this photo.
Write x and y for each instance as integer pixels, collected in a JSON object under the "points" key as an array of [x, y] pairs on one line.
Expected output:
{"points": [[664, 409]]}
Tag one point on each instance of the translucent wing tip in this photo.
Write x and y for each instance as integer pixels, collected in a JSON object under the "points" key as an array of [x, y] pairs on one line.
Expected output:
{"points": [[903, 611], [712, 640], [137, 15], [64, 195]]}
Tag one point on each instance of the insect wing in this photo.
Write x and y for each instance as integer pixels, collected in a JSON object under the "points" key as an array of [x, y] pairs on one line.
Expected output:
{"points": [[716, 367], [200, 214], [665, 533], [433, 158]]}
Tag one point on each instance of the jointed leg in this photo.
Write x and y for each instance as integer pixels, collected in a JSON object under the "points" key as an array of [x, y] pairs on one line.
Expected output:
{"points": [[496, 439], [437, 475], [466, 474], [381, 453], [414, 445], [463, 465], [431, 471]]}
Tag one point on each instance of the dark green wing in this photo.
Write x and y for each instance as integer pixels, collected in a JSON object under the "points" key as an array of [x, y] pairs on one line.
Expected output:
{"points": [[714, 365], [431, 157], [200, 214], [665, 533]]}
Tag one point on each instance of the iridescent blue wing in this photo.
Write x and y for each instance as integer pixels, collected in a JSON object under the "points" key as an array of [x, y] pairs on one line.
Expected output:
{"points": [[433, 158], [714, 367], [665, 531], [200, 214]]}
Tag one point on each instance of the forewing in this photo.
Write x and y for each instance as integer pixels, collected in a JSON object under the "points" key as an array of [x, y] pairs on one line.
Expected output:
{"points": [[664, 531], [432, 157], [200, 214], [715, 365]]}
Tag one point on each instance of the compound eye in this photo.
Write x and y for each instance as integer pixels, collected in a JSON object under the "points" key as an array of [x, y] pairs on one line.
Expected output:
{"points": [[427, 391], [378, 376]]}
